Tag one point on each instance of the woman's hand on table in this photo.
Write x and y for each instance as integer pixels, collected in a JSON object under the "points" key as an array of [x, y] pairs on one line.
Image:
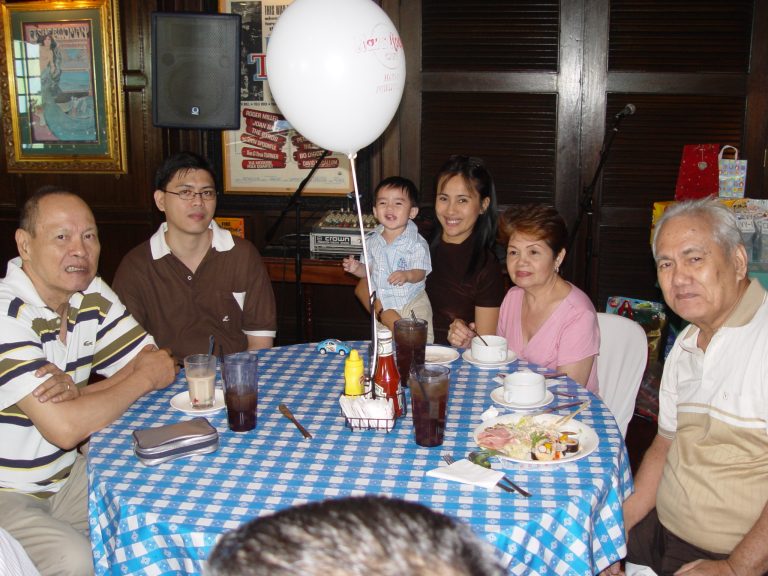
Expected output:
{"points": [[58, 388], [460, 333]]}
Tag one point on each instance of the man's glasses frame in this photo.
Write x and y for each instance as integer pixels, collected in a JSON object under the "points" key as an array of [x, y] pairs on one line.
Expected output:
{"points": [[188, 195]]}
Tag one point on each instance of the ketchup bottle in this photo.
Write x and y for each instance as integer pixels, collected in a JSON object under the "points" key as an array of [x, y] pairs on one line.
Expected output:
{"points": [[386, 380]]}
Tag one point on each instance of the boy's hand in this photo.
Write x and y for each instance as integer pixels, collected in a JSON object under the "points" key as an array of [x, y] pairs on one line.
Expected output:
{"points": [[401, 277], [353, 266], [398, 278]]}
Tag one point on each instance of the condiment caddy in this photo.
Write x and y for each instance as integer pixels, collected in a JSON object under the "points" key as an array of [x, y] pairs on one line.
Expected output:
{"points": [[373, 403]]}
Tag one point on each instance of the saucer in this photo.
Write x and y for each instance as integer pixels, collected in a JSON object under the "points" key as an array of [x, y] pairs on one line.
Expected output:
{"points": [[498, 396], [440, 354], [181, 402], [467, 355]]}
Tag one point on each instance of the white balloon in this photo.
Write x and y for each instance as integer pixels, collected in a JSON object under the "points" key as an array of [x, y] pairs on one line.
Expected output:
{"points": [[336, 70]]}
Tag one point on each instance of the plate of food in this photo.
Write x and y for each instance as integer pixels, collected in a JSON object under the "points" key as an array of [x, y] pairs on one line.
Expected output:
{"points": [[467, 355], [536, 439], [181, 403], [440, 354]]}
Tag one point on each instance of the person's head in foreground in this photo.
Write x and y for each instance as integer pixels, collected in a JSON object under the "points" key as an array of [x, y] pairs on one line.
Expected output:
{"points": [[701, 262], [372, 536]]}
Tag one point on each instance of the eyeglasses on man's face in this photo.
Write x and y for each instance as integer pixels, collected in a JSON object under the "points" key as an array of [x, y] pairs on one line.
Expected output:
{"points": [[188, 194]]}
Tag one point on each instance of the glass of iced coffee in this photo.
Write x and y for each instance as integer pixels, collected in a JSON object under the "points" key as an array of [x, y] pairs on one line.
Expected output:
{"points": [[200, 372]]}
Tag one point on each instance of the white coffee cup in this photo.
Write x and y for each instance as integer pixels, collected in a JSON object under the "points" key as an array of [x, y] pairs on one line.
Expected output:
{"points": [[494, 349], [524, 388]]}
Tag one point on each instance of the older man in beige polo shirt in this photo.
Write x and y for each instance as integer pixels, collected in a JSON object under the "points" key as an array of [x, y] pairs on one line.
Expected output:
{"points": [[700, 501]]}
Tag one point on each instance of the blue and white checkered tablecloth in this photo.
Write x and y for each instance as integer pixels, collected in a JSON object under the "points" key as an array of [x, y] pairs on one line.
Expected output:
{"points": [[166, 519]]}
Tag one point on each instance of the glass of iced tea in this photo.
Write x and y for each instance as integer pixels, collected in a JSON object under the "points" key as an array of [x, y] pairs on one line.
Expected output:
{"points": [[429, 384], [410, 343], [241, 390]]}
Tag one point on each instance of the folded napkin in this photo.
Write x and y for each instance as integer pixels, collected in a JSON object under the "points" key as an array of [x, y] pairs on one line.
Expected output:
{"points": [[361, 407], [466, 472], [492, 412]]}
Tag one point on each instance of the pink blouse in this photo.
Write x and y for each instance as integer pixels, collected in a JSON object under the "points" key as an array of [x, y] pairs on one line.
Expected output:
{"points": [[570, 334]]}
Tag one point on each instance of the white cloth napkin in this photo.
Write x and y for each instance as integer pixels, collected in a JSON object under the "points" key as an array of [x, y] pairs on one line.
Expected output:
{"points": [[466, 472], [492, 412]]}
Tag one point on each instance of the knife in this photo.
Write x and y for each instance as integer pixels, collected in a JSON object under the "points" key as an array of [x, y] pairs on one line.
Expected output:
{"points": [[285, 411]]}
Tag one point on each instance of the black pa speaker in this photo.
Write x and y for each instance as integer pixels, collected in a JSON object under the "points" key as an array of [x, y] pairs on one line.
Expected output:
{"points": [[196, 70]]}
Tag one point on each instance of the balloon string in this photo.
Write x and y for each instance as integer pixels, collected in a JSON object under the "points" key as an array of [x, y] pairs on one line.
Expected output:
{"points": [[371, 292]]}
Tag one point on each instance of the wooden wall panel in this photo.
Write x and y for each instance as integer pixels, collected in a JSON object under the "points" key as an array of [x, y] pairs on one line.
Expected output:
{"points": [[695, 70], [516, 135], [645, 156], [489, 35], [680, 36], [530, 85], [627, 267]]}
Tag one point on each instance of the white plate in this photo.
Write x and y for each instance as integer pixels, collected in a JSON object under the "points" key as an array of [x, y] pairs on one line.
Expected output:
{"points": [[467, 355], [440, 354], [498, 396], [181, 402], [588, 439]]}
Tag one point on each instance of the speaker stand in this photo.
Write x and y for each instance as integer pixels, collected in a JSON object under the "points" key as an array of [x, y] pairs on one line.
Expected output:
{"points": [[295, 202], [586, 206]]}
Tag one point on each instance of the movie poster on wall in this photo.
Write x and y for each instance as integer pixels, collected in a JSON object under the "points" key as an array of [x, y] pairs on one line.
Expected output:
{"points": [[266, 155]]}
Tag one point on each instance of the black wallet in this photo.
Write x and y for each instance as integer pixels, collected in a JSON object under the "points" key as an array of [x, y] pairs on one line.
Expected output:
{"points": [[154, 446]]}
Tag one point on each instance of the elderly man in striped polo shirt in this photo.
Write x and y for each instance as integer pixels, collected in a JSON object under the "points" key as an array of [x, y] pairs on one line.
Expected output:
{"points": [[701, 500], [58, 323]]}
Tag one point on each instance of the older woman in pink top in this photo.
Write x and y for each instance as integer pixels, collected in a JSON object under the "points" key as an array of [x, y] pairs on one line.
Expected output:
{"points": [[545, 319]]}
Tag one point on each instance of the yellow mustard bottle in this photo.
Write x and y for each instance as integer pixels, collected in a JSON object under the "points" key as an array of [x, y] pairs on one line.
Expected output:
{"points": [[353, 374]]}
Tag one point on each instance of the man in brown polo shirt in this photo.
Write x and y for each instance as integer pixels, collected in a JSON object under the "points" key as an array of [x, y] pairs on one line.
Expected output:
{"points": [[192, 279]]}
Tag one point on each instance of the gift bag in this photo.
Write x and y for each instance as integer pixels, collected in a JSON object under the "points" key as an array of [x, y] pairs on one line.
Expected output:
{"points": [[733, 174], [650, 315], [698, 174]]}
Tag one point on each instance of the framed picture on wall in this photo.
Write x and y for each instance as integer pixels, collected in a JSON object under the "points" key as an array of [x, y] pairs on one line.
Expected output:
{"points": [[266, 155], [60, 82]]}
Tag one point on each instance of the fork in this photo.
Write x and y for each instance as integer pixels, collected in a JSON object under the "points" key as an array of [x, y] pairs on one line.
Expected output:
{"points": [[511, 488]]}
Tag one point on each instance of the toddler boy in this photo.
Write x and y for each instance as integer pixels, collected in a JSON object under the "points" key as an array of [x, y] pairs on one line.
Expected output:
{"points": [[398, 255]]}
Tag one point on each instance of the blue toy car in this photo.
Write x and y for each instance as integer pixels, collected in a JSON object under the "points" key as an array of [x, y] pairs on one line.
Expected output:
{"points": [[333, 346]]}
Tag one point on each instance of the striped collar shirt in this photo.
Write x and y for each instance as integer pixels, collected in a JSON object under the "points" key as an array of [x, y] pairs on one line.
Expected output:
{"points": [[101, 337]]}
